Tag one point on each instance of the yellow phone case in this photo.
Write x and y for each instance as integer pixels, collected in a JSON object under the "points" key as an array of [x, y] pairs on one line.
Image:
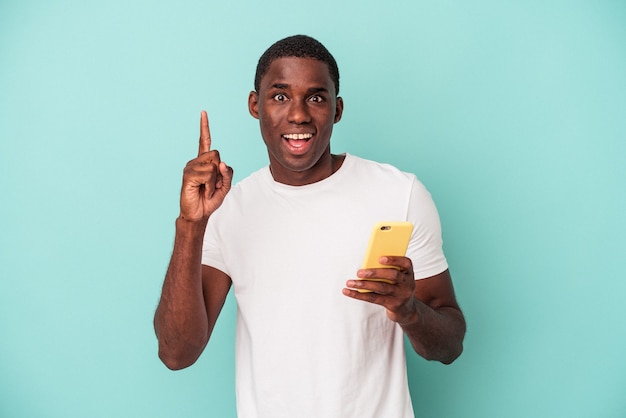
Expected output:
{"points": [[387, 238]]}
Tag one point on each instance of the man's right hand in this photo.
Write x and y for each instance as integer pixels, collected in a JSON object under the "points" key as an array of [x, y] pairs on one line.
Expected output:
{"points": [[206, 179]]}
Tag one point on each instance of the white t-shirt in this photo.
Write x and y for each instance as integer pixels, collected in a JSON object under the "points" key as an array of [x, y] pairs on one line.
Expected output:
{"points": [[303, 349]]}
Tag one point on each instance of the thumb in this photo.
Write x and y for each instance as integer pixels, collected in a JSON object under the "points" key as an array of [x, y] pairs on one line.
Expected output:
{"points": [[227, 176]]}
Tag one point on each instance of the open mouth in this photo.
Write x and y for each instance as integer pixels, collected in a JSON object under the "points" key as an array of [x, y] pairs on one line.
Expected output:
{"points": [[298, 143]]}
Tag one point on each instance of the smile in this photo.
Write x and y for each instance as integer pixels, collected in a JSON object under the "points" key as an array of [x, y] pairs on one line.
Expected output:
{"points": [[298, 144], [298, 136]]}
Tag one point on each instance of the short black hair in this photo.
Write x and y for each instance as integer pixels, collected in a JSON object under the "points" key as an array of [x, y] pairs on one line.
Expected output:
{"points": [[300, 46]]}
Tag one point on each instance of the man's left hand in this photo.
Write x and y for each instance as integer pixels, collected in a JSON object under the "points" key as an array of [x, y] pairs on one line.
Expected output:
{"points": [[396, 292]]}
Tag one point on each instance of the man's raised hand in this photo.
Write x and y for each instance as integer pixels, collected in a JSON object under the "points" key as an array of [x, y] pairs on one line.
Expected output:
{"points": [[206, 179]]}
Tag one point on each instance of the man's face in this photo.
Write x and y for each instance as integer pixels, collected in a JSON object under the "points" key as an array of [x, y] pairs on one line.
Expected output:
{"points": [[297, 107]]}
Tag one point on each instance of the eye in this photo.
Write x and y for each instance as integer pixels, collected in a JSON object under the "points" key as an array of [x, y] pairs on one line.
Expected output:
{"points": [[280, 97], [316, 99]]}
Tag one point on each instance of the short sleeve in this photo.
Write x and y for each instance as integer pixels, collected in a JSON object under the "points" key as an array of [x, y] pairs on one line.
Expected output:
{"points": [[426, 245], [211, 249]]}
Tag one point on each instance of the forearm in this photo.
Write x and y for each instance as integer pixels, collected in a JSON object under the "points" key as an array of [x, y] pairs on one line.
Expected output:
{"points": [[180, 321], [435, 333]]}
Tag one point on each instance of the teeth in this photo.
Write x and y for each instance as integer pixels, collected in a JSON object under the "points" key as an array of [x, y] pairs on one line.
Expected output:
{"points": [[298, 136]]}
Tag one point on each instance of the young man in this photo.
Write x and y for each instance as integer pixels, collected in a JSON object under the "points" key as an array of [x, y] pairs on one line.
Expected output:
{"points": [[290, 239]]}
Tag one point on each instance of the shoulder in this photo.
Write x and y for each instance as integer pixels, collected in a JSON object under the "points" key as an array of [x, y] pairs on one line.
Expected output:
{"points": [[244, 193], [253, 182], [377, 171]]}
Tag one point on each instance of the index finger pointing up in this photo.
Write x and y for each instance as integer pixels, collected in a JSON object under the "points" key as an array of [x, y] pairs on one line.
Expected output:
{"points": [[205, 134]]}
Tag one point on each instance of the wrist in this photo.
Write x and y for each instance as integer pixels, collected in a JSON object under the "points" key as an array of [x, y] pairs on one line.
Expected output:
{"points": [[412, 315], [190, 220], [192, 227]]}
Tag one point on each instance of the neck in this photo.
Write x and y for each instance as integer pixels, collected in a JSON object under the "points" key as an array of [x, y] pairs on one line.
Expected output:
{"points": [[324, 168]]}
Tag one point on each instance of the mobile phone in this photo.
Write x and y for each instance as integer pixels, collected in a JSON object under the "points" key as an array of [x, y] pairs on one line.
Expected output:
{"points": [[386, 239]]}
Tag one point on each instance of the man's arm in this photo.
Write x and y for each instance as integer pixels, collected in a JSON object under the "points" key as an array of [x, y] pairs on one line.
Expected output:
{"points": [[193, 294], [426, 309], [437, 327], [191, 300]]}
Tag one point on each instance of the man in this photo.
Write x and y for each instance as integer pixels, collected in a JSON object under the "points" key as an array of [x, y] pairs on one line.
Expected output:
{"points": [[290, 239]]}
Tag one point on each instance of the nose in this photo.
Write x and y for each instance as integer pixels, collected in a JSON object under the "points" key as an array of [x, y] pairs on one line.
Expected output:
{"points": [[298, 112]]}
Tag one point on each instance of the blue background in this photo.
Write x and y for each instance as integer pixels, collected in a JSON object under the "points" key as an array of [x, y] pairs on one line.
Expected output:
{"points": [[513, 113]]}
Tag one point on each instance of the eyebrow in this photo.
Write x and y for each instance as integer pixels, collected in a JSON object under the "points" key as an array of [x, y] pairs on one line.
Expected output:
{"points": [[282, 86], [318, 90]]}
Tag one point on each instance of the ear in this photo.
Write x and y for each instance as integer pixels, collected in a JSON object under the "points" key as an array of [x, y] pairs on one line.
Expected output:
{"points": [[253, 104], [338, 109]]}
